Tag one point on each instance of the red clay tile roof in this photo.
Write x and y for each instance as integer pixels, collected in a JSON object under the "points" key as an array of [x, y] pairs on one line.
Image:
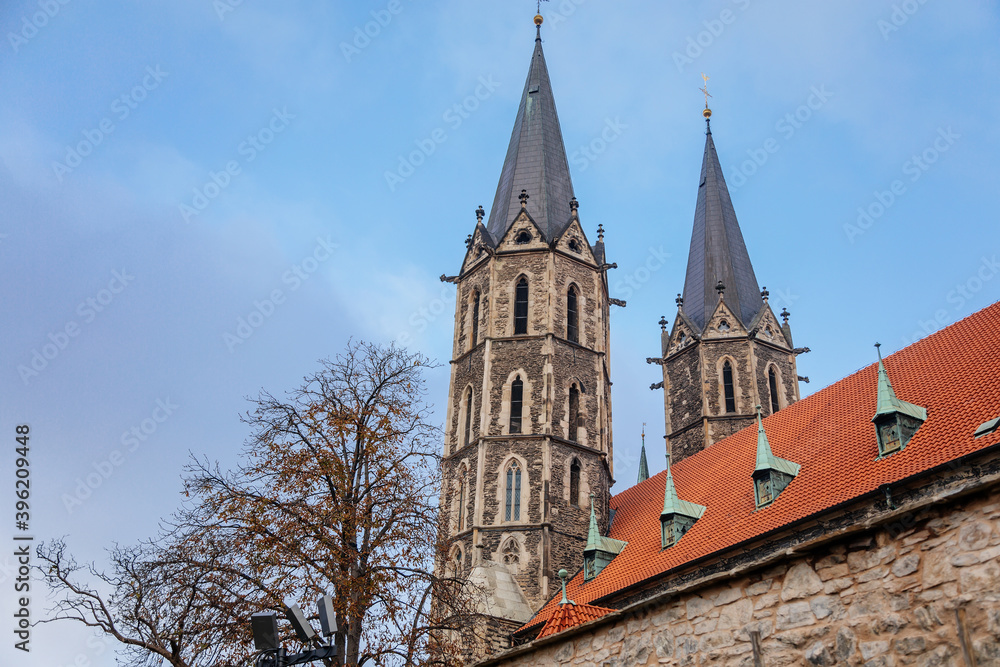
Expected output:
{"points": [[570, 615], [954, 373]]}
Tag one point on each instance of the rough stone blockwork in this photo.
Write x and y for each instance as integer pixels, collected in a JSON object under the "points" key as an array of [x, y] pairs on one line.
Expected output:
{"points": [[898, 596]]}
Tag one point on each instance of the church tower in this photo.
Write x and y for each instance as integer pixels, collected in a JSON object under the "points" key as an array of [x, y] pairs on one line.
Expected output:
{"points": [[726, 353], [528, 427]]}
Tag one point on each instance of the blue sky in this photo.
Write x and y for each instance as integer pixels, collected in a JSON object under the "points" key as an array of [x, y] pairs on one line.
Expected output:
{"points": [[276, 123]]}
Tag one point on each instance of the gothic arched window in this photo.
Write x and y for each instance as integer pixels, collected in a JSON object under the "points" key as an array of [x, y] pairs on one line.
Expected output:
{"points": [[574, 411], [772, 382], [475, 320], [572, 317], [512, 508], [727, 387], [516, 402], [574, 482], [521, 306], [467, 431], [458, 560], [461, 503]]}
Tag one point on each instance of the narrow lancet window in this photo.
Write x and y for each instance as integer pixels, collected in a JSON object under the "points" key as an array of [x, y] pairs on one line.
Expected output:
{"points": [[727, 387], [512, 508], [468, 416], [574, 412], [772, 381], [572, 316], [516, 402], [475, 320], [574, 483], [521, 307]]}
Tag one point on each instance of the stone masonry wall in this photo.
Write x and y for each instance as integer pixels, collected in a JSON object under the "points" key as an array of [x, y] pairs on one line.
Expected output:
{"points": [[900, 595]]}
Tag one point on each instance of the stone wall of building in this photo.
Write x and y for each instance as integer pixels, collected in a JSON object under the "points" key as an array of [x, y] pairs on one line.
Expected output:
{"points": [[920, 591]]}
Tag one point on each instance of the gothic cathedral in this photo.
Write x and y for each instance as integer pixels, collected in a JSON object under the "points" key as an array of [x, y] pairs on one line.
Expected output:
{"points": [[528, 455]]}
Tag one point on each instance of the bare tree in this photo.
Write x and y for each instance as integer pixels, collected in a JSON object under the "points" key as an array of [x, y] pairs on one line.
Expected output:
{"points": [[336, 493]]}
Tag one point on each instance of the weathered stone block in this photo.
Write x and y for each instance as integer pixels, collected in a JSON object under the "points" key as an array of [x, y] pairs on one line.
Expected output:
{"points": [[974, 536], [819, 654], [985, 577], [911, 645], [937, 569], [906, 565], [858, 561], [800, 581], [698, 606], [794, 615]]}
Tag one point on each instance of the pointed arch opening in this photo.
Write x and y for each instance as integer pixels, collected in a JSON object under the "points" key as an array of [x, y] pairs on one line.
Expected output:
{"points": [[574, 412], [574, 483], [521, 306], [512, 493], [728, 390], [516, 404], [474, 337], [572, 315], [467, 427], [510, 554], [772, 385]]}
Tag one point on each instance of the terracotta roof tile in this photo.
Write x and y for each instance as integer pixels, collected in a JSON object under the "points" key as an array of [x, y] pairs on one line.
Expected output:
{"points": [[569, 615], [954, 373]]}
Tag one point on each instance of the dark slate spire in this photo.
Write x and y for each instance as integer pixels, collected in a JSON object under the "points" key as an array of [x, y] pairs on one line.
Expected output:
{"points": [[717, 250], [536, 159]]}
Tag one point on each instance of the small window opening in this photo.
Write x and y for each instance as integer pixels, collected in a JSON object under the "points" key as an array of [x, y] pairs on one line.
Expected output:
{"points": [[727, 386], [516, 403], [521, 307]]}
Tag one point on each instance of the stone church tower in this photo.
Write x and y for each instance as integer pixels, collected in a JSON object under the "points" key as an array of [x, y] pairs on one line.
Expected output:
{"points": [[726, 352], [528, 428]]}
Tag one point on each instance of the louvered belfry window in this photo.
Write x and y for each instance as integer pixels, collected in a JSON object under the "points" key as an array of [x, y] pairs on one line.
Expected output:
{"points": [[512, 508], [521, 307], [574, 483]]}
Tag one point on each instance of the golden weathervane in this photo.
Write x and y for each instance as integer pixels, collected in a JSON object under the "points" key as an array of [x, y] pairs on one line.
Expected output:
{"points": [[707, 113]]}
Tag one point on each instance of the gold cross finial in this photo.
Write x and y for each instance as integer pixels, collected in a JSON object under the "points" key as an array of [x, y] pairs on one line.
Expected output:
{"points": [[708, 112]]}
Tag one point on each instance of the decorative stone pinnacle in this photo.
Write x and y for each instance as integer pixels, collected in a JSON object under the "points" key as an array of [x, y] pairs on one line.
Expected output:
{"points": [[785, 314], [480, 213], [600, 232], [679, 301], [764, 294], [574, 204], [468, 241], [720, 288], [524, 198], [663, 323]]}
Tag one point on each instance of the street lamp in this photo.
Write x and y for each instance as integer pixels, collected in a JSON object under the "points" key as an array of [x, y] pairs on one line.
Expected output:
{"points": [[265, 635]]}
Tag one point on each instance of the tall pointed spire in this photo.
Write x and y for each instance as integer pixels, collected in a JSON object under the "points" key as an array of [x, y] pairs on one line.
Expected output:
{"points": [[643, 466], [718, 252], [536, 158]]}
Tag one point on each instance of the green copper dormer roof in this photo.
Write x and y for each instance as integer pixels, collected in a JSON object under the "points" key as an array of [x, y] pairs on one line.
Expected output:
{"points": [[672, 504], [598, 542], [766, 460], [643, 466], [887, 402], [536, 160]]}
